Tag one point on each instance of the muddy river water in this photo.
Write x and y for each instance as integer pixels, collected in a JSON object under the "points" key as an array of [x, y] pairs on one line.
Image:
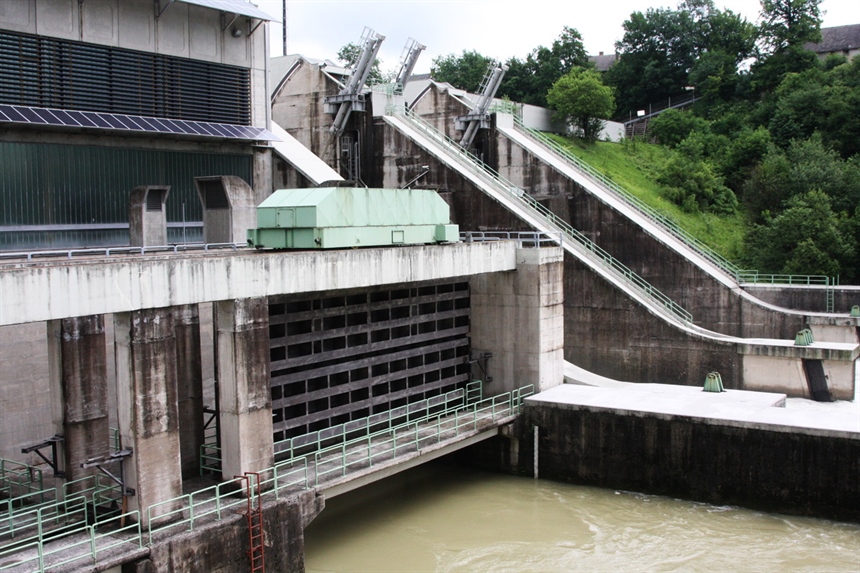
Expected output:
{"points": [[445, 518]]}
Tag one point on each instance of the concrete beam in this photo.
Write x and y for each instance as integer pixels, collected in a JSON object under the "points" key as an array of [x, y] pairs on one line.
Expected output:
{"points": [[46, 291]]}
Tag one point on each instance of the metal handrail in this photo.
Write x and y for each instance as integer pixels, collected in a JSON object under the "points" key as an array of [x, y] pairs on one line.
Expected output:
{"points": [[553, 221], [24, 477], [119, 251], [386, 445], [341, 431], [655, 216], [125, 534]]}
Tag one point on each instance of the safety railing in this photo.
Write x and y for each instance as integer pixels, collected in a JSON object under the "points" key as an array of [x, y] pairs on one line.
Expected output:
{"points": [[115, 440], [17, 478], [655, 216], [555, 223], [211, 504], [210, 458], [28, 523], [525, 239], [336, 461], [118, 251], [97, 488], [755, 277], [414, 412], [81, 542]]}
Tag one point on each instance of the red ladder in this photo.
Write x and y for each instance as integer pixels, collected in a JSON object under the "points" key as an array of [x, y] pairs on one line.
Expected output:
{"points": [[256, 547]]}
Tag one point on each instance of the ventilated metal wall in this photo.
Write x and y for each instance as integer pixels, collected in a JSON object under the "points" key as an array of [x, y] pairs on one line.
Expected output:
{"points": [[54, 196], [339, 357], [48, 72]]}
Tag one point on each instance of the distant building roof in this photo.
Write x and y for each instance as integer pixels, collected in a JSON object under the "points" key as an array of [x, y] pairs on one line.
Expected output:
{"points": [[603, 62], [837, 39]]}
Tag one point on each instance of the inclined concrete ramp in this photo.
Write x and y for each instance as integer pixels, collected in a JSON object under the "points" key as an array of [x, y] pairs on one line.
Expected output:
{"points": [[763, 359], [303, 159], [505, 125]]}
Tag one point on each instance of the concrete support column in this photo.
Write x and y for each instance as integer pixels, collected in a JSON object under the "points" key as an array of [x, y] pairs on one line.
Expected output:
{"points": [[190, 386], [147, 407], [78, 374], [242, 371], [519, 317]]}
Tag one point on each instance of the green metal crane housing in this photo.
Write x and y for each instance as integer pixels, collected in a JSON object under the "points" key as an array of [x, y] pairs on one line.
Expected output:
{"points": [[341, 217]]}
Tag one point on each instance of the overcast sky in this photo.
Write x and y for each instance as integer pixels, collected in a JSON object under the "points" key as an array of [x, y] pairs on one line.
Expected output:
{"points": [[495, 28]]}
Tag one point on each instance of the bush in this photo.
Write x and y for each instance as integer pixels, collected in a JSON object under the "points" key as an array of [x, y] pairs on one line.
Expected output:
{"points": [[673, 126]]}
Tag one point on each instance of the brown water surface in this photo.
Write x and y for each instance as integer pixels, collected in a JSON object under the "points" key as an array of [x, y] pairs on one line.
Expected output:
{"points": [[443, 518]]}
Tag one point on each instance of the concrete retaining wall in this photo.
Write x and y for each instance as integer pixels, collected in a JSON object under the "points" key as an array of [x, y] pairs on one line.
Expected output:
{"points": [[804, 472]]}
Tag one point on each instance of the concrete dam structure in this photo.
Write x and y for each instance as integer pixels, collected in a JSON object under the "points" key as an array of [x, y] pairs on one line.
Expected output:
{"points": [[604, 332], [173, 400]]}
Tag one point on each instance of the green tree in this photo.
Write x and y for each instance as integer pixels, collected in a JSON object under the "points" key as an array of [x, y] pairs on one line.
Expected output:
{"points": [[693, 184], [581, 98], [464, 72], [673, 126], [348, 56], [529, 80], [806, 238], [663, 51], [786, 23]]}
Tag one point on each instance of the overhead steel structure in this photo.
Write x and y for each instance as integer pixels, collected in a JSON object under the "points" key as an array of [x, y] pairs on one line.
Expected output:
{"points": [[408, 59], [478, 117], [350, 97]]}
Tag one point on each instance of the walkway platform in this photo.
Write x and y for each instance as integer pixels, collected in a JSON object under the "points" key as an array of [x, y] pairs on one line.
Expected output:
{"points": [[737, 408]]}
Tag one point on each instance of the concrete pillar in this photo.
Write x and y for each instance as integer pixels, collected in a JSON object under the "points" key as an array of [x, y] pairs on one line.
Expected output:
{"points": [[190, 387], [229, 208], [518, 316], [78, 374], [242, 371], [147, 407]]}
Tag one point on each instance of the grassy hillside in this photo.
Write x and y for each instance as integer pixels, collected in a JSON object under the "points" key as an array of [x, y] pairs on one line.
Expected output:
{"points": [[631, 164]]}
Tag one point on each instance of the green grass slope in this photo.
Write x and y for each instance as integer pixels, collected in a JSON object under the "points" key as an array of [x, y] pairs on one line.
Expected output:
{"points": [[633, 165]]}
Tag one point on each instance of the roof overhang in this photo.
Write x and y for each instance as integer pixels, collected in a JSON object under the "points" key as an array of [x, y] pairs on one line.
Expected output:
{"points": [[237, 7]]}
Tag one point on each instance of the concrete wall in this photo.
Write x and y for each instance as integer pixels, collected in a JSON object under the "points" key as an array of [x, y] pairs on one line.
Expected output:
{"points": [[806, 472], [519, 317], [222, 547], [809, 298]]}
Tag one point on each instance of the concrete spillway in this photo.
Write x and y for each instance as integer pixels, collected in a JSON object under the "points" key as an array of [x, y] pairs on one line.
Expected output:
{"points": [[763, 359], [668, 247]]}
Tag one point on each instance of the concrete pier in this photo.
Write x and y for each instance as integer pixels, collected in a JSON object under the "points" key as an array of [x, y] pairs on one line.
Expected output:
{"points": [[735, 447], [242, 370], [186, 320], [78, 377], [147, 407], [520, 317]]}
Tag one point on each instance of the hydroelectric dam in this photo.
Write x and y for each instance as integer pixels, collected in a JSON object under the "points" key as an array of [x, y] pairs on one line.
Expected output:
{"points": [[172, 399]]}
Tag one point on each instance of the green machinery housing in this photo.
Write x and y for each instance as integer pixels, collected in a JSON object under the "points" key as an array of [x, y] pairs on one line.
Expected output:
{"points": [[340, 217]]}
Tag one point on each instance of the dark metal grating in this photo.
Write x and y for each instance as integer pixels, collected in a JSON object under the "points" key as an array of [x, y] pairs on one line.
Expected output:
{"points": [[45, 72]]}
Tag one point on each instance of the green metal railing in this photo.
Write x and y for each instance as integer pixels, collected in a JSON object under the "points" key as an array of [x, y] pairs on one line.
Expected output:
{"points": [[82, 542], [655, 216], [336, 460], [417, 411], [17, 478], [556, 225], [68, 519], [98, 489], [210, 458]]}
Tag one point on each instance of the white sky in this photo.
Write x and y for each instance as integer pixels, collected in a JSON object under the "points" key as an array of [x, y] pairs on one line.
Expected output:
{"points": [[495, 28]]}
